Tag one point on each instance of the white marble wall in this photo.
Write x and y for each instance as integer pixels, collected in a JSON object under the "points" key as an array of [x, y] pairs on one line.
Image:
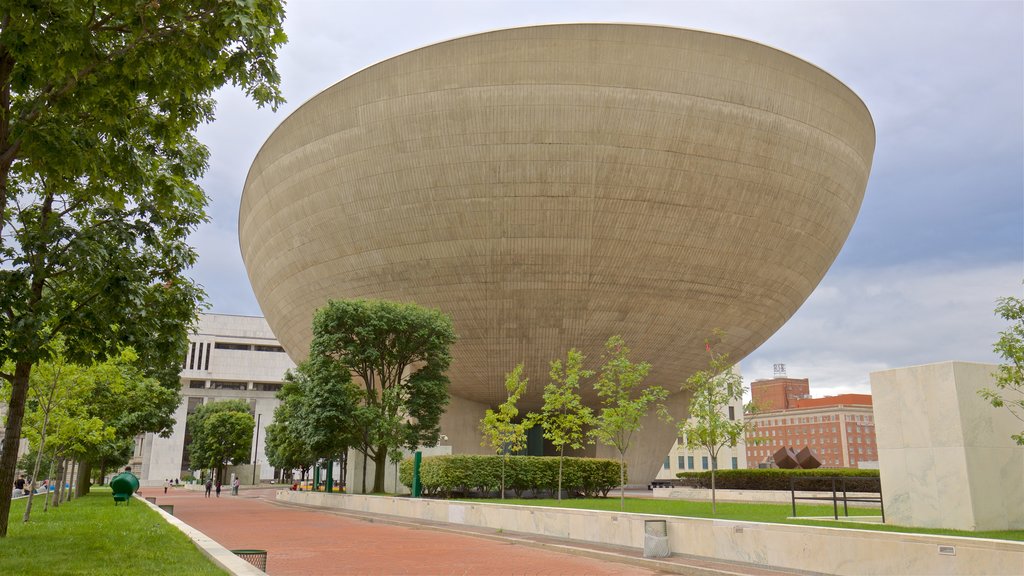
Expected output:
{"points": [[945, 455]]}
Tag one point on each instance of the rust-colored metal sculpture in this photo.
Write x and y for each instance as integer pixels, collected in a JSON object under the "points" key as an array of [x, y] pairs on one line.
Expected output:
{"points": [[807, 459]]}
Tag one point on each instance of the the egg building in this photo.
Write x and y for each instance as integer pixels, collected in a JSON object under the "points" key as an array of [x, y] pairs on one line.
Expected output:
{"points": [[551, 186]]}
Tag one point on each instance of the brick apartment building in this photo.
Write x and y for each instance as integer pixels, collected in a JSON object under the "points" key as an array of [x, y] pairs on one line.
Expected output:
{"points": [[839, 430]]}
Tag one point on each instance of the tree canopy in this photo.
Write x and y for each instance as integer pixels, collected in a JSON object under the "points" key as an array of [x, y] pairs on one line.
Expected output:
{"points": [[1009, 389], [563, 416], [287, 448], [221, 434], [398, 354], [624, 403], [500, 429], [709, 426], [99, 101]]}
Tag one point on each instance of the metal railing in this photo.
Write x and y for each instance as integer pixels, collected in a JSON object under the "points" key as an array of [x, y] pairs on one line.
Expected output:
{"points": [[839, 493]]}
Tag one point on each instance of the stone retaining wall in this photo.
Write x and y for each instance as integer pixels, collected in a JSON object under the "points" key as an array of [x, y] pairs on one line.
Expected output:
{"points": [[811, 549]]}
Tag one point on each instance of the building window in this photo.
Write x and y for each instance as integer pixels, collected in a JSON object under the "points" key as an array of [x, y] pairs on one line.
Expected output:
{"points": [[680, 462], [704, 462], [689, 462], [197, 384], [735, 462], [266, 386], [228, 385], [261, 348], [231, 346], [666, 465], [732, 413]]}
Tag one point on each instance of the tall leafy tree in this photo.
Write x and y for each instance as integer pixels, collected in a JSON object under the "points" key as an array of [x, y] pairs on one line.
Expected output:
{"points": [[99, 101], [1009, 390], [709, 427], [287, 448], [398, 354], [624, 403], [221, 435], [500, 429], [563, 416]]}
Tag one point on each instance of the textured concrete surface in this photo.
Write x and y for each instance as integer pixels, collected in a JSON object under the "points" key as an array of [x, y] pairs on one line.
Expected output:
{"points": [[551, 186]]}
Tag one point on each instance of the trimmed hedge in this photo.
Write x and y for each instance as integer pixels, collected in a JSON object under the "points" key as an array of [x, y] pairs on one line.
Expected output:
{"points": [[778, 479], [481, 475]]}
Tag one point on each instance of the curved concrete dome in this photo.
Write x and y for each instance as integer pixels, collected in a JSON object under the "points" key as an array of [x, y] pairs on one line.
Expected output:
{"points": [[551, 186]]}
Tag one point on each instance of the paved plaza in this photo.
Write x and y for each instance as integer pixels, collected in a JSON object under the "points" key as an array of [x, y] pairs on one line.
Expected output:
{"points": [[304, 541]]}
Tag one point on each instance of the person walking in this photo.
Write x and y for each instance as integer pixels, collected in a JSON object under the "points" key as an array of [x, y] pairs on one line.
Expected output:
{"points": [[167, 484], [218, 488], [234, 486], [209, 486]]}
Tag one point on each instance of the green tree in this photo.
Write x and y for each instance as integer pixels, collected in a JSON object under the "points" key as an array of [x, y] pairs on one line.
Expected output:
{"points": [[709, 427], [99, 102], [221, 434], [1009, 390], [563, 416], [131, 403], [399, 353], [624, 403], [500, 429], [287, 447]]}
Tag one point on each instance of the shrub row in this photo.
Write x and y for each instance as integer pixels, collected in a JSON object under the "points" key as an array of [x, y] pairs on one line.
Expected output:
{"points": [[778, 479], [481, 475]]}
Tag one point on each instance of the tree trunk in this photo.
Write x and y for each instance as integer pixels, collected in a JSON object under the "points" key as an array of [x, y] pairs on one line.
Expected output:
{"points": [[622, 482], [561, 452], [380, 461], [49, 476], [35, 468], [59, 478], [714, 504], [70, 492], [84, 477], [12, 436]]}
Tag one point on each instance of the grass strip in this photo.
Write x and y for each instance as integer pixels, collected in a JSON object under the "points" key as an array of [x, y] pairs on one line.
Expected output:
{"points": [[750, 512], [89, 535]]}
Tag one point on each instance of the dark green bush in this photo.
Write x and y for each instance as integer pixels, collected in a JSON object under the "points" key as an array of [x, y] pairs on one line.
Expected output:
{"points": [[778, 479], [481, 475]]}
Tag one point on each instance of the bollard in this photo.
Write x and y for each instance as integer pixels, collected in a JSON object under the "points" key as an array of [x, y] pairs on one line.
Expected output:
{"points": [[416, 459]]}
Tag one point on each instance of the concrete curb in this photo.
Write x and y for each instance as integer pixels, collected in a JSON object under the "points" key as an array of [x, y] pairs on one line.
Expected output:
{"points": [[220, 555]]}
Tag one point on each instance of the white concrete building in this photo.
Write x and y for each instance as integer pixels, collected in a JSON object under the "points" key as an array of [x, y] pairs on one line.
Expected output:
{"points": [[229, 358]]}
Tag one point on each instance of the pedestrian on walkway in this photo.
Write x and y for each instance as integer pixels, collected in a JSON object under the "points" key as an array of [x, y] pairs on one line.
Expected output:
{"points": [[209, 486], [234, 486], [167, 484], [218, 488]]}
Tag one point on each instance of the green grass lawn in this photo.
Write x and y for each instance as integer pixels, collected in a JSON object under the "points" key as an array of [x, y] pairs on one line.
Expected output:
{"points": [[775, 513], [90, 535]]}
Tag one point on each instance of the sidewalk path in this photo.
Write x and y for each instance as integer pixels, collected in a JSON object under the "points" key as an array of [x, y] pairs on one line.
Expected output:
{"points": [[313, 542]]}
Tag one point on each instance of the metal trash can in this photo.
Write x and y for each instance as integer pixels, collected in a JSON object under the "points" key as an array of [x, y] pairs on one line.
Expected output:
{"points": [[169, 508], [257, 558], [656, 539]]}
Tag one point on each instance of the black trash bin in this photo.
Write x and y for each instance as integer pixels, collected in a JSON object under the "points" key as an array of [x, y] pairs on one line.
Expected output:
{"points": [[257, 558]]}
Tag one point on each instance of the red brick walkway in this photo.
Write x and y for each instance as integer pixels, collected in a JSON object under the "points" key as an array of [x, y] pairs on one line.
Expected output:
{"points": [[312, 542]]}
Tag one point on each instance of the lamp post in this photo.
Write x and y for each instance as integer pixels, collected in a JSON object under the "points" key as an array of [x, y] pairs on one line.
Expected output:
{"points": [[256, 448]]}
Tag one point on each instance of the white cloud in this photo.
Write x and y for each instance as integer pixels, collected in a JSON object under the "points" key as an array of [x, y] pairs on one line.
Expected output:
{"points": [[867, 319]]}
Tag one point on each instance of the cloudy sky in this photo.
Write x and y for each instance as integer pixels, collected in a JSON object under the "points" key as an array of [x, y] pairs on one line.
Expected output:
{"points": [[941, 232]]}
